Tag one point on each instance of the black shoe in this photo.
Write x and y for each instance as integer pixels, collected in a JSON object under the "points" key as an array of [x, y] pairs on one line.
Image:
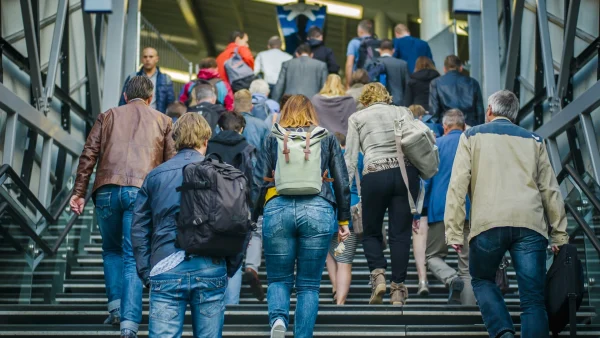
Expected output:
{"points": [[456, 287]]}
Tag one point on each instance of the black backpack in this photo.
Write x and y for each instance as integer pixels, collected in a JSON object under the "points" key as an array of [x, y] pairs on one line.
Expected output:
{"points": [[213, 220], [212, 82], [368, 59], [564, 289]]}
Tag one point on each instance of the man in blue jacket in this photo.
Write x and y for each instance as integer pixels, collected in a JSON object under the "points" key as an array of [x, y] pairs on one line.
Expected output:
{"points": [[459, 282], [409, 48], [163, 93]]}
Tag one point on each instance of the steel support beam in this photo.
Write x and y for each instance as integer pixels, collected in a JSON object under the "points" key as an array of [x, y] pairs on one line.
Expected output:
{"points": [[31, 41], [55, 48], [568, 47], [132, 36], [514, 44], [475, 46], [544, 36], [113, 65], [589, 134], [10, 139], [91, 60], [491, 45], [555, 160], [45, 168]]}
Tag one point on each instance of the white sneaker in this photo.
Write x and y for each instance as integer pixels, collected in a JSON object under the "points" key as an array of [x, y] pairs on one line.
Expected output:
{"points": [[278, 329]]}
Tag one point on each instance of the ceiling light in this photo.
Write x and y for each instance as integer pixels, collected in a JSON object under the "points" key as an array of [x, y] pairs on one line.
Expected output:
{"points": [[176, 75], [333, 7]]}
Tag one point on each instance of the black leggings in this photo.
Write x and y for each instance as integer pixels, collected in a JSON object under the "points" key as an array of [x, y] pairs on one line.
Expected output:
{"points": [[381, 191]]}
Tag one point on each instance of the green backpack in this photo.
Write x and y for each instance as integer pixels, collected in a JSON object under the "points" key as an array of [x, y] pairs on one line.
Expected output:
{"points": [[298, 169]]}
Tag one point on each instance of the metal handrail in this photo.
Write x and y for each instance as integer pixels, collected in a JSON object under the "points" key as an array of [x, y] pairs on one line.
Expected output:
{"points": [[68, 227], [6, 169], [582, 224]]}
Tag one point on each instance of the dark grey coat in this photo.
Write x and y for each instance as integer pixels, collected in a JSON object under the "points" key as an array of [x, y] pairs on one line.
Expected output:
{"points": [[303, 75], [397, 78]]}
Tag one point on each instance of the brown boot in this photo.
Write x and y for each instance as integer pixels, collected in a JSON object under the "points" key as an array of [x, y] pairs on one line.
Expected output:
{"points": [[251, 277], [378, 286], [398, 294]]}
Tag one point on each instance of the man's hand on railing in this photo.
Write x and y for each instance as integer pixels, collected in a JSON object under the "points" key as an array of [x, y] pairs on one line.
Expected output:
{"points": [[77, 203]]}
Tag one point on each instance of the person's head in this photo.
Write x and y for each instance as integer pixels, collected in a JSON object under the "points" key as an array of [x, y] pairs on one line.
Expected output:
{"points": [[139, 87], [453, 119], [360, 76], [240, 38], [315, 33], [205, 92], [242, 101], [365, 28], [418, 111], [401, 30], [191, 131], [284, 99], [341, 138], [175, 110], [423, 62], [452, 62], [503, 103], [149, 58], [232, 121], [303, 49], [208, 63], [374, 93], [259, 86], [298, 112], [274, 42], [333, 86], [386, 47]]}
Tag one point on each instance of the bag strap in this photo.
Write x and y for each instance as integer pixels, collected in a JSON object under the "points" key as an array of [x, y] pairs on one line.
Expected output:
{"points": [[197, 185], [274, 118], [307, 147], [286, 150], [326, 177], [415, 209], [357, 178]]}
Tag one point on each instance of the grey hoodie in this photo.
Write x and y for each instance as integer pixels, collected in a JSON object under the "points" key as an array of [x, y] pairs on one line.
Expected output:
{"points": [[334, 112]]}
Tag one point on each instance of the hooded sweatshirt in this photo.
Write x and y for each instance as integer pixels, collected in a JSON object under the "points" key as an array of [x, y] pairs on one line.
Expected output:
{"points": [[325, 54], [224, 93], [417, 91], [333, 112]]}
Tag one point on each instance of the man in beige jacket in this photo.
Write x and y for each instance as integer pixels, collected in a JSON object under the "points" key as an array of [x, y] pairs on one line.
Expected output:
{"points": [[513, 190]]}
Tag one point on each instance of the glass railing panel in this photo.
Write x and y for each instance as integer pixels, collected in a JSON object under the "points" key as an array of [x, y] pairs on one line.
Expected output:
{"points": [[592, 276]]}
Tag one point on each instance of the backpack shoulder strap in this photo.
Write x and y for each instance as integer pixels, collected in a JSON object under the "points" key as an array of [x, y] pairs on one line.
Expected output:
{"points": [[286, 150], [357, 178], [415, 209], [307, 147]]}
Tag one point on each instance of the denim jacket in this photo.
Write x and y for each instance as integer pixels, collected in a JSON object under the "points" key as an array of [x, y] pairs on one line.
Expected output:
{"points": [[154, 227], [331, 160], [256, 131], [164, 90]]}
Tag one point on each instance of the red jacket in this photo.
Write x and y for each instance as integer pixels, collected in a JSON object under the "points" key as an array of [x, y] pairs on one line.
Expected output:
{"points": [[245, 53], [223, 91]]}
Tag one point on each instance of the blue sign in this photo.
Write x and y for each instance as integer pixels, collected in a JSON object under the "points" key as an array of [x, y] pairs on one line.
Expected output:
{"points": [[295, 21]]}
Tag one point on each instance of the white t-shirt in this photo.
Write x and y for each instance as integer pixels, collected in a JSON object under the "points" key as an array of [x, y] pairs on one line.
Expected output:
{"points": [[269, 63]]}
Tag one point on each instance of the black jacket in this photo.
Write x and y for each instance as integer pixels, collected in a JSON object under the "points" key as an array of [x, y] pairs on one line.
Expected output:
{"points": [[417, 91], [211, 112], [235, 150], [456, 91], [325, 54], [332, 160]]}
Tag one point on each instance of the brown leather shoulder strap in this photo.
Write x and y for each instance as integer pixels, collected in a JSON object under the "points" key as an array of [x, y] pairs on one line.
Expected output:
{"points": [[307, 147], [286, 150]]}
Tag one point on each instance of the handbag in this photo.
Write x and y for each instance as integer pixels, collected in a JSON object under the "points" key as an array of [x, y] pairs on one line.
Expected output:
{"points": [[356, 210], [502, 276]]}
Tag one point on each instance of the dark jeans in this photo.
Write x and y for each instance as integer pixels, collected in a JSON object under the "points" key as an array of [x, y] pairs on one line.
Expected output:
{"points": [[381, 191], [528, 251]]}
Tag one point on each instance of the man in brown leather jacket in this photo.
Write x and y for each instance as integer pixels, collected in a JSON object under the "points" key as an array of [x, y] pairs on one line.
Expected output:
{"points": [[127, 142]]}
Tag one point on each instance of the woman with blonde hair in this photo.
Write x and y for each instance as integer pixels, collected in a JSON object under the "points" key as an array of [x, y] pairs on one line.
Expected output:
{"points": [[371, 132], [333, 106], [297, 229]]}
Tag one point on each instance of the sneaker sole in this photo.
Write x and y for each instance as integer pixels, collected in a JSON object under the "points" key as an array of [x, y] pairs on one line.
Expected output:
{"points": [[278, 332], [377, 298]]}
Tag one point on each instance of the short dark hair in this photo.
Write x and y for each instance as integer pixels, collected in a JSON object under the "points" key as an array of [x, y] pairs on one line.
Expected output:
{"points": [[360, 76], [284, 99], [367, 26], [139, 87], [208, 63], [231, 121], [176, 109], [452, 62], [236, 34], [341, 138], [386, 44], [303, 48], [274, 42], [314, 32]]}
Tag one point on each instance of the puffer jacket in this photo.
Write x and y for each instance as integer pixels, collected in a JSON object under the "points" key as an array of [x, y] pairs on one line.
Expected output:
{"points": [[454, 90], [331, 160], [164, 92], [154, 226], [506, 171]]}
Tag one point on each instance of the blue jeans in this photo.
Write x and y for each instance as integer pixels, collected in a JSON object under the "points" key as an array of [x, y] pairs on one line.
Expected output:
{"points": [[296, 230], [234, 286], [200, 282], [114, 210], [528, 251]]}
